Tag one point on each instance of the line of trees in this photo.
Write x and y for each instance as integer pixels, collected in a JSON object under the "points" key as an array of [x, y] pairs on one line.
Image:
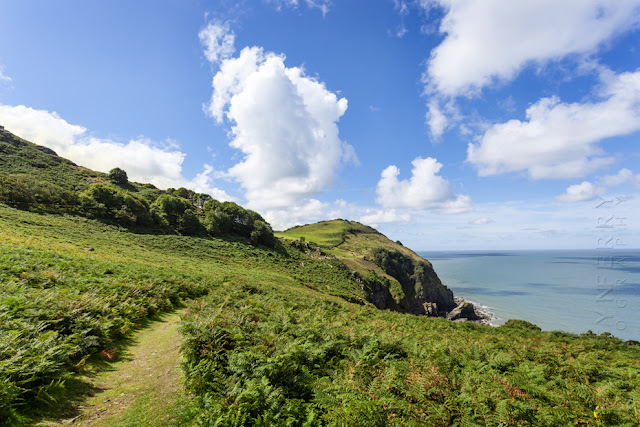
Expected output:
{"points": [[116, 200]]}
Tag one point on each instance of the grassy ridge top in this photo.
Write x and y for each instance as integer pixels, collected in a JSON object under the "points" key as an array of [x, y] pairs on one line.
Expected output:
{"points": [[353, 243], [346, 239], [327, 234]]}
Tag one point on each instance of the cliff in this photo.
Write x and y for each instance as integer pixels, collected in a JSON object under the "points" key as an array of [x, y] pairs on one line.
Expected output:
{"points": [[391, 276]]}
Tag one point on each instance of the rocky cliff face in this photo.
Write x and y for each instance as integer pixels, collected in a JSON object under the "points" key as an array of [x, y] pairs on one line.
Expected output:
{"points": [[423, 291], [390, 276]]}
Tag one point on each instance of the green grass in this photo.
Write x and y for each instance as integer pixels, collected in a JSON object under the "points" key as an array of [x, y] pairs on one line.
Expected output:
{"points": [[273, 344], [392, 276], [18, 156], [271, 336]]}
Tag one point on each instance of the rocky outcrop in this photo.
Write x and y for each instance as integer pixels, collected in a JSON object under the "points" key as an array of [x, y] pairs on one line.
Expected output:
{"points": [[464, 310], [423, 292]]}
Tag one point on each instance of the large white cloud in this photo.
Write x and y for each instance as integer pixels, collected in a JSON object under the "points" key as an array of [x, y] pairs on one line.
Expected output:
{"points": [[285, 124], [490, 40], [424, 190], [144, 160], [559, 140]]}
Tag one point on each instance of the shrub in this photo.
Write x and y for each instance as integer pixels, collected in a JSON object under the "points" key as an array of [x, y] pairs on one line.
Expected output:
{"points": [[26, 190], [228, 218], [104, 201], [178, 213], [262, 234], [118, 176], [520, 324]]}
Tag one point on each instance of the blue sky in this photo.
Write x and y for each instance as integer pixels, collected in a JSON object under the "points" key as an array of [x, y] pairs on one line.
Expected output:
{"points": [[446, 124]]}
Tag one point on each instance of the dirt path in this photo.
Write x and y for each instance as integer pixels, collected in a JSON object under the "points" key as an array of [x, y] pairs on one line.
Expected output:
{"points": [[144, 387]]}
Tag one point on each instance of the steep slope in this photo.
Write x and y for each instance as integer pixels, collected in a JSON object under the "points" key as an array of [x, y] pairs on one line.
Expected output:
{"points": [[392, 276], [18, 157]]}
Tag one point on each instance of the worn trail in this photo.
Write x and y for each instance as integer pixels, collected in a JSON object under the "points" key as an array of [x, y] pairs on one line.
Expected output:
{"points": [[144, 387]]}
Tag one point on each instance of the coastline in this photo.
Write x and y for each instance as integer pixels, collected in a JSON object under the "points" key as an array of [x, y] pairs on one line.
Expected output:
{"points": [[485, 313]]}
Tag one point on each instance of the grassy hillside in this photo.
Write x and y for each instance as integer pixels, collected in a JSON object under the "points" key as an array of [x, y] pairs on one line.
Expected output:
{"points": [[393, 277], [263, 348], [281, 335]]}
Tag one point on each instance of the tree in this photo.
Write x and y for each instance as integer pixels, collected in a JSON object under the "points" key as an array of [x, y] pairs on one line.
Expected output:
{"points": [[177, 212], [262, 234], [118, 176]]}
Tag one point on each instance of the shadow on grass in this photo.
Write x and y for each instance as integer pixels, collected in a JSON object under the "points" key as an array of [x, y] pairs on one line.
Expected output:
{"points": [[67, 403]]}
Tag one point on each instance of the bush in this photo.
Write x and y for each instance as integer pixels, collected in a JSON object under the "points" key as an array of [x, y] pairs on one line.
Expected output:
{"points": [[105, 201], [118, 176], [26, 190], [178, 214], [520, 324], [228, 218], [262, 234]]}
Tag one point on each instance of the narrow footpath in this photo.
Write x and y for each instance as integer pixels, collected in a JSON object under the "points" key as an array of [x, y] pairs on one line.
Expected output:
{"points": [[144, 387]]}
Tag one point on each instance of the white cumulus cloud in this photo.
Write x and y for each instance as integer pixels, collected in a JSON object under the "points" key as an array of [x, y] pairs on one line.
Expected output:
{"points": [[144, 160], [492, 40], [218, 41], [623, 177], [580, 192], [559, 140], [303, 212], [285, 124], [375, 217], [436, 120], [588, 191], [424, 190]]}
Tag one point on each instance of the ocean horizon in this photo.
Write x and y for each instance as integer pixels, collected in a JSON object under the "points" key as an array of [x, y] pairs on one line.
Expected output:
{"points": [[573, 291]]}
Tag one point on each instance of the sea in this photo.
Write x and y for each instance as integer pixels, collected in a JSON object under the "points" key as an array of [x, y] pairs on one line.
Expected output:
{"points": [[565, 290]]}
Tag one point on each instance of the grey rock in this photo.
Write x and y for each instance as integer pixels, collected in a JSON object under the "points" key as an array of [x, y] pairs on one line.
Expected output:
{"points": [[464, 310]]}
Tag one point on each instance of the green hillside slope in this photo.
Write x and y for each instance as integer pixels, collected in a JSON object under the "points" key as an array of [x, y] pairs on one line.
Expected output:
{"points": [[392, 276], [279, 334]]}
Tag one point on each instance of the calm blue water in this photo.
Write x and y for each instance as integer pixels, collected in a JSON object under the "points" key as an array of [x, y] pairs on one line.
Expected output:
{"points": [[570, 290]]}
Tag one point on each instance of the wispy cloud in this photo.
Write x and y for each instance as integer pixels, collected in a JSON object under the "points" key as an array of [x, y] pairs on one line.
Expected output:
{"points": [[218, 41], [3, 76], [322, 5]]}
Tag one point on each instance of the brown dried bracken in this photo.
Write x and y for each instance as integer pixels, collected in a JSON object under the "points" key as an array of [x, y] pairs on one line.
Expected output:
{"points": [[108, 354]]}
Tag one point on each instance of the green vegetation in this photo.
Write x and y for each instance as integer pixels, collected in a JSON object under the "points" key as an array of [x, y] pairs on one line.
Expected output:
{"points": [[392, 276], [118, 176], [35, 178], [277, 332]]}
